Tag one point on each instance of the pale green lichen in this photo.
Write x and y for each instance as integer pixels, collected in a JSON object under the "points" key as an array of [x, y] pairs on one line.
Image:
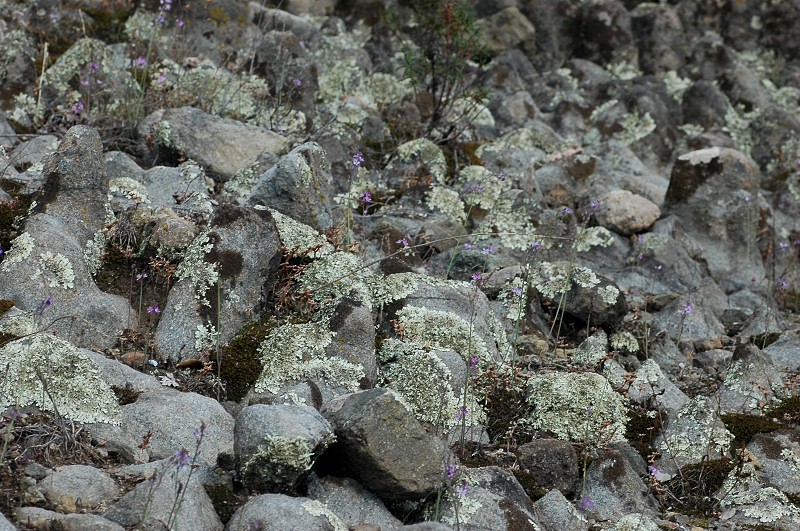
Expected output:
{"points": [[21, 248], [201, 274], [608, 294], [592, 349], [56, 270], [624, 70], [744, 381], [54, 375], [676, 85], [426, 385], [205, 337], [791, 457], [514, 296], [765, 504], [625, 341], [279, 462], [574, 406], [635, 127], [317, 508], [295, 352], [635, 522], [295, 234], [447, 201], [588, 237], [695, 430], [423, 149]]}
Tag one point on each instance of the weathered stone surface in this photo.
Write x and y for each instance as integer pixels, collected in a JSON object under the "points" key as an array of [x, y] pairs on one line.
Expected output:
{"points": [[380, 444], [352, 503], [625, 212], [278, 512], [552, 462], [508, 28], [38, 518], [614, 488], [555, 512], [75, 488], [221, 145]]}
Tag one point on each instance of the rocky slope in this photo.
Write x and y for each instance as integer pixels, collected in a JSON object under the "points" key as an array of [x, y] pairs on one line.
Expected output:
{"points": [[380, 265]]}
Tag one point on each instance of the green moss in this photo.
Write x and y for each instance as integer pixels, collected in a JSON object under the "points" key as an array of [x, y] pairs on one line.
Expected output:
{"points": [[223, 499], [125, 395], [529, 484], [241, 362], [641, 430], [788, 409], [744, 427]]}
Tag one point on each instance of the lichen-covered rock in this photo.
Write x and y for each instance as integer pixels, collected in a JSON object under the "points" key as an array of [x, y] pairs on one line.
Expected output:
{"points": [[755, 503], [487, 498], [78, 487], [572, 405], [751, 382], [298, 186], [704, 104], [38, 518], [49, 372], [276, 445], [555, 512], [354, 339], [278, 512], [659, 35], [380, 444], [778, 454], [508, 28], [226, 271], [221, 145], [608, 35]]}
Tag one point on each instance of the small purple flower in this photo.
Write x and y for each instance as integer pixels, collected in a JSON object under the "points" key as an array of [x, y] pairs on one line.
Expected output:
{"points": [[517, 291], [588, 411], [462, 489], [1, 250], [567, 210], [476, 189], [403, 241], [297, 82], [536, 246], [586, 503], [302, 44], [199, 434], [179, 22], [489, 249], [158, 19], [84, 82], [152, 479], [747, 198], [181, 458], [451, 470], [473, 361], [781, 283], [461, 411], [154, 308], [657, 267], [93, 66], [476, 276], [795, 242], [44, 304], [502, 176], [77, 107], [365, 197], [639, 238], [161, 77], [140, 276], [53, 16], [686, 309], [594, 204], [12, 413], [654, 471], [140, 62], [783, 245], [468, 246], [358, 159]]}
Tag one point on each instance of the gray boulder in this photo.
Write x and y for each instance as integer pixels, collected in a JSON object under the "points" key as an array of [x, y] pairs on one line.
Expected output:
{"points": [[278, 512], [74, 488], [555, 512], [355, 505], [553, 463], [613, 487], [381, 444], [276, 445], [38, 518]]}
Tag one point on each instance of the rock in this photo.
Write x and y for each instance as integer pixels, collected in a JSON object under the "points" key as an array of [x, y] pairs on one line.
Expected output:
{"points": [[777, 454], [553, 463], [38, 518], [298, 186], [659, 36], [278, 512], [33, 151], [380, 444], [117, 374], [704, 104], [493, 500], [157, 503], [508, 28], [74, 488], [751, 382], [614, 488], [233, 263], [221, 145], [606, 25], [783, 352], [649, 386], [557, 26], [352, 503], [276, 446], [555, 512], [626, 213], [354, 341], [173, 417]]}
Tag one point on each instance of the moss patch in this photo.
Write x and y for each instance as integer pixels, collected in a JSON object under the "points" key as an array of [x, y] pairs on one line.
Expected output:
{"points": [[223, 499], [744, 427], [125, 395], [641, 430], [788, 410], [241, 362], [695, 486]]}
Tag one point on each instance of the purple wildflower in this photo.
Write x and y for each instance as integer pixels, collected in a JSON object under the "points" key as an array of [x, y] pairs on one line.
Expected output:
{"points": [[77, 107], [781, 283], [657, 267], [1, 250], [502, 176], [12, 413], [473, 360], [468, 246], [179, 22], [365, 197], [358, 159], [586, 503], [297, 82], [84, 82], [154, 308], [53, 16], [199, 434], [594, 204], [489, 249], [783, 245], [462, 489], [403, 241], [747, 198], [140, 276], [451, 470], [140, 62], [567, 210], [588, 411], [93, 65], [654, 471], [160, 78], [686, 309], [42, 305], [517, 291], [158, 19], [476, 189], [181, 458], [536, 246], [461, 411], [476, 276]]}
